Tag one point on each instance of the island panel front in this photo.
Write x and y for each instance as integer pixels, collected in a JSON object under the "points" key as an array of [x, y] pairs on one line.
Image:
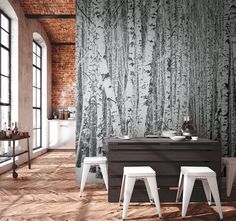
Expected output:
{"points": [[165, 157]]}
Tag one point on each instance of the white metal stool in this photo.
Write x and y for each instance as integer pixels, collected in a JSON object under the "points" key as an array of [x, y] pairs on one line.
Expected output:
{"points": [[188, 175], [93, 161], [230, 164], [130, 175]]}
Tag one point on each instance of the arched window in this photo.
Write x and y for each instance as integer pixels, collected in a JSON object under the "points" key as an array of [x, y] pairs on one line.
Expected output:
{"points": [[8, 69], [39, 92]]}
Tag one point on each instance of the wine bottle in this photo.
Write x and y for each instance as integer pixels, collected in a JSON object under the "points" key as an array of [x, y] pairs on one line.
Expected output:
{"points": [[15, 128], [12, 127]]}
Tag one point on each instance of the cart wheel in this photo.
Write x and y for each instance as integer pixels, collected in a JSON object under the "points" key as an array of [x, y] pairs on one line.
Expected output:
{"points": [[15, 174], [14, 166]]}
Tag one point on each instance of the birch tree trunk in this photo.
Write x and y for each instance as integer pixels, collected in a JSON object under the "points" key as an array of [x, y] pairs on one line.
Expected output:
{"points": [[130, 86], [144, 79], [232, 79], [167, 121], [138, 62]]}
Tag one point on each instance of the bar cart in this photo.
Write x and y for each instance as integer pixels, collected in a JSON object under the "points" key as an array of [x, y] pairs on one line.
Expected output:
{"points": [[14, 153]]}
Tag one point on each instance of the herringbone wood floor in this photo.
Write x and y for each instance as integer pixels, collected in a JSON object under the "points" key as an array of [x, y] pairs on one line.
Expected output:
{"points": [[49, 192]]}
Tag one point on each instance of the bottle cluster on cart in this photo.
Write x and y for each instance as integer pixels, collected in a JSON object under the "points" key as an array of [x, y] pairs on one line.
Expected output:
{"points": [[10, 131]]}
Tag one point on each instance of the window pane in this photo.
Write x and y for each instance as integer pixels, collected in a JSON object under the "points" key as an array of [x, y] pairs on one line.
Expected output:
{"points": [[5, 38], [34, 97], [34, 47], [4, 22], [34, 138], [38, 118], [4, 90], [34, 59], [38, 51], [38, 138], [4, 113], [4, 146], [38, 78], [4, 62], [38, 62], [38, 98], [34, 76], [34, 118]]}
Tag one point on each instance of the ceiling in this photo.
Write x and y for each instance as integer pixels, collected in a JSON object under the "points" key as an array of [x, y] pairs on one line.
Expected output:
{"points": [[56, 16]]}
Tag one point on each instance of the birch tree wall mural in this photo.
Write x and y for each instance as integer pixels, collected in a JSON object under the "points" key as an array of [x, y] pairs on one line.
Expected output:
{"points": [[142, 65]]}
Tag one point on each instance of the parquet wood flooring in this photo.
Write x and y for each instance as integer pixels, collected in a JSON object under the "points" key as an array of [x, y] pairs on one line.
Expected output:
{"points": [[50, 192]]}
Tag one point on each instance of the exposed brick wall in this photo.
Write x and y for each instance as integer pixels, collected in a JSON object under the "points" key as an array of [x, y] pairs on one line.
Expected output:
{"points": [[63, 76], [59, 30], [48, 6]]}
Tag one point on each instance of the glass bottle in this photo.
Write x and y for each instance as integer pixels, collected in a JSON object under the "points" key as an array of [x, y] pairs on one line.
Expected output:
{"points": [[5, 129], [12, 127], [9, 133], [15, 130], [184, 125]]}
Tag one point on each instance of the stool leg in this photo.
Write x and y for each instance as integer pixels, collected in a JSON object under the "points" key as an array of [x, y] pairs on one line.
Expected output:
{"points": [[230, 173], [214, 189], [187, 191], [180, 187], [103, 167], [122, 190], [153, 187], [207, 191], [85, 172], [129, 186], [148, 190], [222, 165]]}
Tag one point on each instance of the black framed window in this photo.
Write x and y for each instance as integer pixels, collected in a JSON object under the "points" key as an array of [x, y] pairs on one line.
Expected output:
{"points": [[5, 76], [37, 96]]}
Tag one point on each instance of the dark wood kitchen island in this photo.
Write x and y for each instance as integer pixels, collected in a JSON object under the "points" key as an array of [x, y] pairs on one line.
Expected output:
{"points": [[166, 157]]}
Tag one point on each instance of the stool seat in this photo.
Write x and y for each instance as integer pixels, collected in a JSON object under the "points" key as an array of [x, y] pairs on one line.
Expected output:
{"points": [[230, 164], [93, 161], [188, 175], [139, 171], [198, 171], [130, 175]]}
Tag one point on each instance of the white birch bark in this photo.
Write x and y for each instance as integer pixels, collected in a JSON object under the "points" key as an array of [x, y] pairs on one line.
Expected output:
{"points": [[98, 18], [103, 71], [224, 82], [167, 122], [129, 89], [138, 64], [145, 77], [184, 103], [232, 79]]}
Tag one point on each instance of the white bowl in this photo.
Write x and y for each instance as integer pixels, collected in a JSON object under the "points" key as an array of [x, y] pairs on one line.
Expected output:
{"points": [[177, 138], [168, 133], [125, 137], [194, 138], [186, 133]]}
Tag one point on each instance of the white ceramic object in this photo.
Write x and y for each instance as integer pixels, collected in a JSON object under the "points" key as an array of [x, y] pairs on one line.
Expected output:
{"points": [[125, 137], [168, 133], [194, 138], [186, 134], [177, 138], [152, 136]]}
